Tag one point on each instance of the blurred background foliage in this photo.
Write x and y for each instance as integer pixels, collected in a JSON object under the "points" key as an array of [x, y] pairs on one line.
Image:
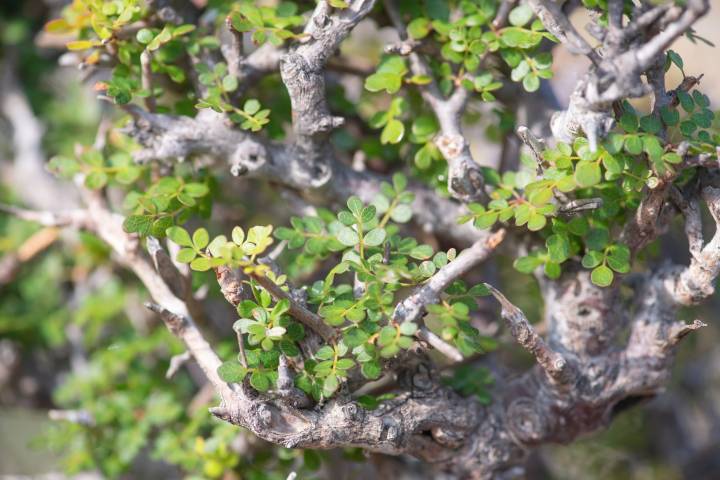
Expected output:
{"points": [[73, 334]]}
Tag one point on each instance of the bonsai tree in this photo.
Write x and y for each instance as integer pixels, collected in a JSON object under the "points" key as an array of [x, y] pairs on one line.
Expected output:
{"points": [[359, 226]]}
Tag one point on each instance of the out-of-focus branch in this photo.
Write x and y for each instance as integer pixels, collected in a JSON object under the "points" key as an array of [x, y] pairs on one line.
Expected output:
{"points": [[11, 262], [70, 218], [202, 352], [176, 363], [28, 165], [503, 11]]}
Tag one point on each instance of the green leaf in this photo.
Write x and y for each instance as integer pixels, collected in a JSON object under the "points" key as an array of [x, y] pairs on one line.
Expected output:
{"points": [[232, 372], [652, 147], [419, 28], [355, 205], [371, 370], [421, 252], [553, 270], [401, 213], [368, 214], [140, 224], [670, 116], [558, 247], [251, 107], [230, 83], [592, 259], [536, 222], [128, 175], [348, 237], [390, 82], [675, 58], [387, 335], [252, 13], [526, 264], [64, 166], [633, 145], [686, 101], [629, 122], [597, 238], [330, 385], [672, 157], [531, 82], [423, 158], [602, 276], [325, 353], [96, 179], [486, 220], [619, 258], [260, 381], [427, 268], [374, 237], [238, 235], [578, 226], [144, 36], [355, 337], [185, 255], [201, 264], [393, 132], [587, 174], [200, 238], [520, 15], [368, 402], [520, 37], [408, 328], [180, 236], [650, 124], [344, 364], [437, 9]]}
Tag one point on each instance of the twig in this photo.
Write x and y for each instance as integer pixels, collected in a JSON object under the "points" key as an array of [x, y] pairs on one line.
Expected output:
{"points": [[679, 330], [555, 365], [11, 262], [68, 218], [503, 11], [536, 145], [580, 205], [311, 320], [412, 308], [199, 348], [80, 417], [147, 80], [176, 363], [439, 344], [557, 23]]}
